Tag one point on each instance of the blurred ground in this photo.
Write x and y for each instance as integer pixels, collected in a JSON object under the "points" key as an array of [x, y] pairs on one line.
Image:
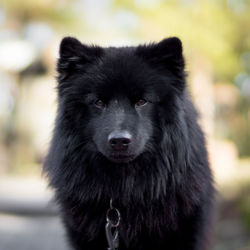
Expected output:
{"points": [[28, 217], [230, 233], [31, 233]]}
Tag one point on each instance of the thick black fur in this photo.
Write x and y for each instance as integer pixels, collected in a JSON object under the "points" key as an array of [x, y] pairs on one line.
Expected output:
{"points": [[165, 191]]}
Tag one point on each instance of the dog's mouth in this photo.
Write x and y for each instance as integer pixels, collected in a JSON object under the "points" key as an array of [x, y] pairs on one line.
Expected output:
{"points": [[121, 157]]}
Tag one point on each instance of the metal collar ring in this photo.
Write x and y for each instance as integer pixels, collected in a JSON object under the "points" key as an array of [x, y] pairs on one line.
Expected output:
{"points": [[118, 216]]}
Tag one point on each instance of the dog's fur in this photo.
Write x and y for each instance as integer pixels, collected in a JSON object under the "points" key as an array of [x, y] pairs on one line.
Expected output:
{"points": [[163, 186]]}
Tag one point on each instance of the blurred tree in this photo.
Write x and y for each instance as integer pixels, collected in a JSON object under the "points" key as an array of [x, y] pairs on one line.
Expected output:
{"points": [[214, 29]]}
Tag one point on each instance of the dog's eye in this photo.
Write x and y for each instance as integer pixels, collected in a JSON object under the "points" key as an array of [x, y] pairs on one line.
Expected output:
{"points": [[99, 103], [141, 102]]}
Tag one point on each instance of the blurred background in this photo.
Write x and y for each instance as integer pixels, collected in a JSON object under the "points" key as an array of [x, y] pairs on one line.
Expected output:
{"points": [[216, 40]]}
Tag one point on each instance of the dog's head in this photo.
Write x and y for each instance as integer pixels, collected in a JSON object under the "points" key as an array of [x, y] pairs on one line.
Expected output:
{"points": [[115, 98]]}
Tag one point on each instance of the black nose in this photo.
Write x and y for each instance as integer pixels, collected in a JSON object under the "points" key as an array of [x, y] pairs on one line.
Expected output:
{"points": [[119, 141]]}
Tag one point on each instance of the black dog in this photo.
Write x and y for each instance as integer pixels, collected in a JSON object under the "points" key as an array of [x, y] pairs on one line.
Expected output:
{"points": [[126, 129]]}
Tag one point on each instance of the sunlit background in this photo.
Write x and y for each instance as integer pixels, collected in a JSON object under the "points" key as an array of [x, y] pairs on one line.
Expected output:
{"points": [[216, 40]]}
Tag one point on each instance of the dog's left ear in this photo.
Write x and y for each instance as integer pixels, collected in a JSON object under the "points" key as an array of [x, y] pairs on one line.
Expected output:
{"points": [[166, 54]]}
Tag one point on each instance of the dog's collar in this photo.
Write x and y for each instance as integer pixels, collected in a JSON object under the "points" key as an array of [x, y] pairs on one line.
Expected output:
{"points": [[111, 228]]}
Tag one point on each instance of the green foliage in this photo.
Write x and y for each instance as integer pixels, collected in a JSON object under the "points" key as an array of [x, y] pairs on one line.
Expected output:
{"points": [[210, 28]]}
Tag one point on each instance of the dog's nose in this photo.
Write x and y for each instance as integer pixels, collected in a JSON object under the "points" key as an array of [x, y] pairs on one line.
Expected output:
{"points": [[119, 141]]}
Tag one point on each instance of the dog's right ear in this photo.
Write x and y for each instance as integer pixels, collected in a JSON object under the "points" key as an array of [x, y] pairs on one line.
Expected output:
{"points": [[75, 56]]}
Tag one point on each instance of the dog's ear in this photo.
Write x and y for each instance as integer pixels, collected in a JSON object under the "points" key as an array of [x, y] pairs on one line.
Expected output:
{"points": [[166, 54], [75, 56]]}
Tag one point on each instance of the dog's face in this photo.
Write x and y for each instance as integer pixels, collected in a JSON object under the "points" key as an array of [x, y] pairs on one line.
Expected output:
{"points": [[122, 127], [113, 97]]}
